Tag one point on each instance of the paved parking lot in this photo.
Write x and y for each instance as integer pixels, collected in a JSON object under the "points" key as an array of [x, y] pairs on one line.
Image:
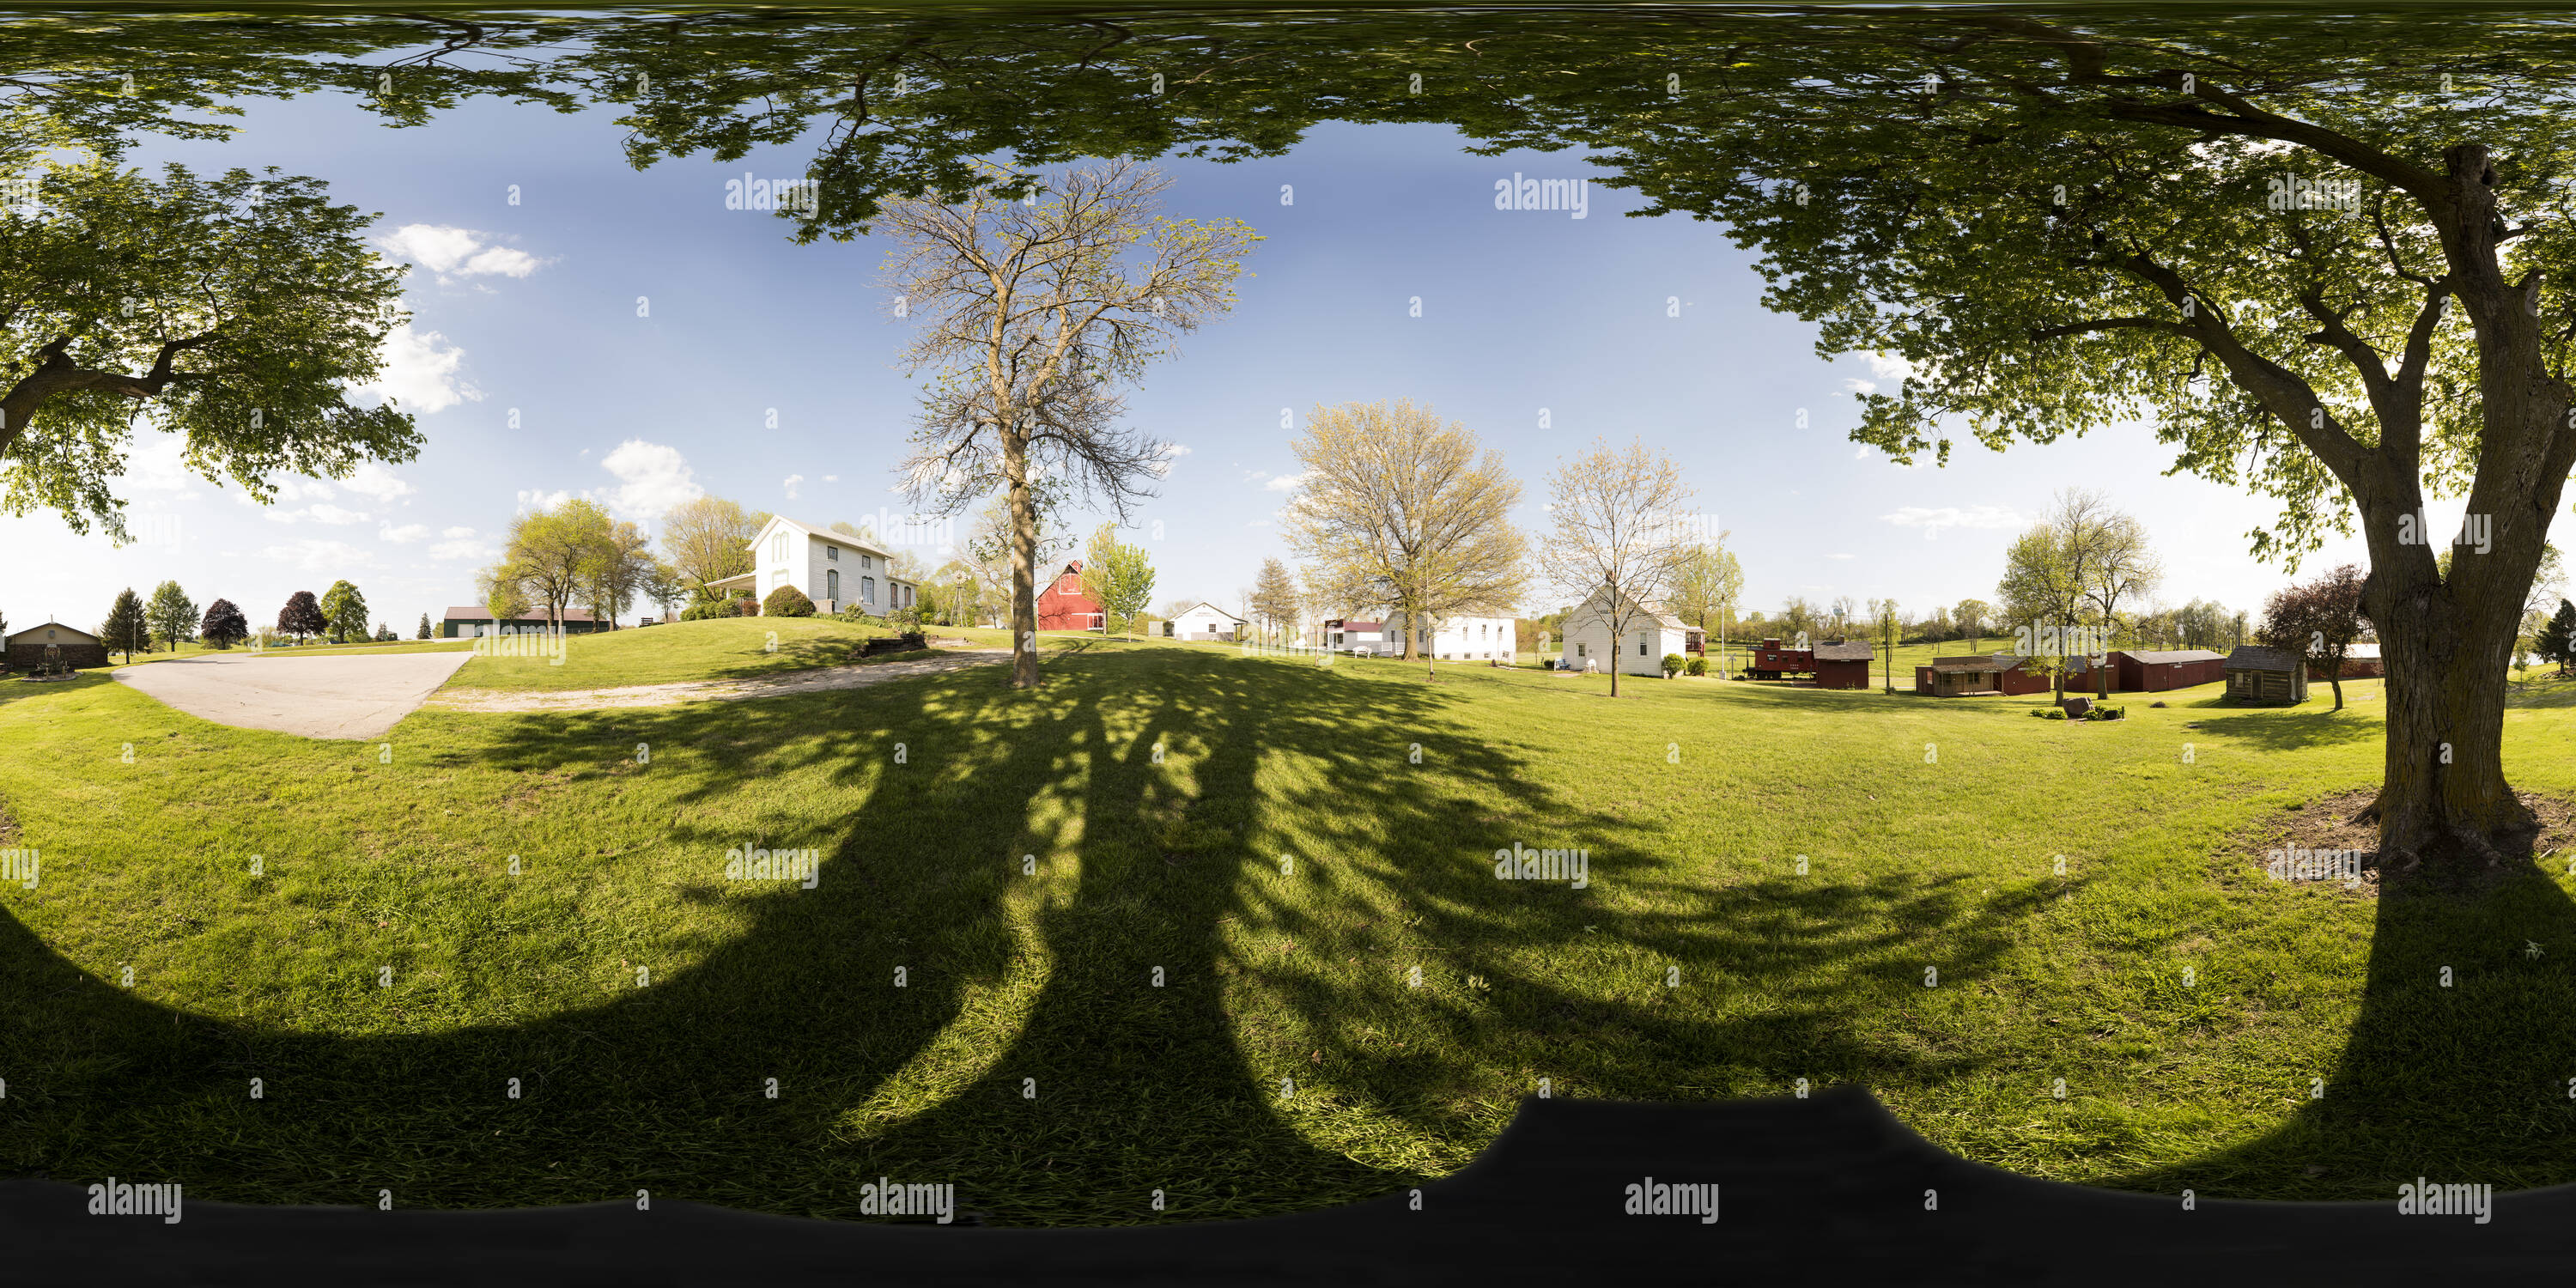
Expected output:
{"points": [[353, 695]]}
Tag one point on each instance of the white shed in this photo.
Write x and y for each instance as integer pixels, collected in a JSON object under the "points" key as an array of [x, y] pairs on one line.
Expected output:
{"points": [[1204, 621]]}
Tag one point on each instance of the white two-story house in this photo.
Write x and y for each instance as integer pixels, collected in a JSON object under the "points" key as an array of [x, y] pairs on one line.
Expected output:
{"points": [[839, 572]]}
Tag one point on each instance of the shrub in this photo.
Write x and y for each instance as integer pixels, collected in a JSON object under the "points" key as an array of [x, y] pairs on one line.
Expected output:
{"points": [[742, 607], [1699, 666], [701, 612], [1673, 665]]}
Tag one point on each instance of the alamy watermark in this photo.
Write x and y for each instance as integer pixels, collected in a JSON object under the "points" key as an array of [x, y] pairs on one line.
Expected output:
{"points": [[885, 1197], [19, 866], [804, 196], [1521, 863], [116, 1198], [1673, 1198], [1521, 193], [2420, 1197], [748, 864], [2298, 192], [522, 641], [2477, 531], [2295, 864]]}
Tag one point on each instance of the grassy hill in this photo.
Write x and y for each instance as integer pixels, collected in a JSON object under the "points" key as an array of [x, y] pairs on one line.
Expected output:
{"points": [[1291, 1057]]}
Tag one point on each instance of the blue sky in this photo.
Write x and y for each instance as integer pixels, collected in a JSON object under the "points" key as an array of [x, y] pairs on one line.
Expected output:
{"points": [[531, 309]]}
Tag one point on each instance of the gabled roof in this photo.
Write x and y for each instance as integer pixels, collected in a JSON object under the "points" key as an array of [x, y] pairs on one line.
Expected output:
{"points": [[856, 543], [1348, 625], [1211, 608], [1662, 616], [1844, 652], [2161, 656], [84, 636], [2255, 657]]}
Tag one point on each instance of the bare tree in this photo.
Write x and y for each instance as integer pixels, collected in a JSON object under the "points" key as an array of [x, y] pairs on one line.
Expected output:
{"points": [[1619, 539], [1398, 513], [2122, 565], [1707, 586], [1035, 312]]}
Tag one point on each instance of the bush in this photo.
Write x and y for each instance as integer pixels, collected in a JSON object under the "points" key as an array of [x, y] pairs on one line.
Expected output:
{"points": [[701, 612], [787, 601], [743, 607], [2104, 713], [1673, 665], [1698, 666]]}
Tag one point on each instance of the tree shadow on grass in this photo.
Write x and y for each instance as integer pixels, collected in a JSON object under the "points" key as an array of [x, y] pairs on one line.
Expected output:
{"points": [[2292, 729], [2467, 1081]]}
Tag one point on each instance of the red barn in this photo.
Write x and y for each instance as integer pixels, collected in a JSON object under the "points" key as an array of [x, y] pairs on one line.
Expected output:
{"points": [[2156, 670], [1063, 606], [1843, 665]]}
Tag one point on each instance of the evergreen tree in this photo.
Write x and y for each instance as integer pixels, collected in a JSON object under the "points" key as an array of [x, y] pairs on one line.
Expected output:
{"points": [[125, 629], [424, 626], [171, 614], [2557, 642], [224, 625]]}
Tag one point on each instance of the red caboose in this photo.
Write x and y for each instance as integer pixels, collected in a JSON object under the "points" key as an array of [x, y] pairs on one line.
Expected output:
{"points": [[1772, 662]]}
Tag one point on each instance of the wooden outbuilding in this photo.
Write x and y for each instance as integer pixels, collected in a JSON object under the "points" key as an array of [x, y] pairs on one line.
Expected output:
{"points": [[1841, 665], [1978, 675], [55, 642], [2156, 670], [2266, 676], [2360, 662]]}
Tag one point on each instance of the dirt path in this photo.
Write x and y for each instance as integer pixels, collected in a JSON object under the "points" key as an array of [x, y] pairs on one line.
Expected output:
{"points": [[664, 695], [355, 695]]}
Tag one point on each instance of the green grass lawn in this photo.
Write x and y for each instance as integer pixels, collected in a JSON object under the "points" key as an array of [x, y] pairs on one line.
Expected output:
{"points": [[1286, 866], [719, 648]]}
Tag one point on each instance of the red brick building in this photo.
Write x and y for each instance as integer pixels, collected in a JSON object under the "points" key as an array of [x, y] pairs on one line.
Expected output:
{"points": [[1063, 607]]}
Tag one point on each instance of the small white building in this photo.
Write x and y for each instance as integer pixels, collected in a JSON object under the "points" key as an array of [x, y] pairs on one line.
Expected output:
{"points": [[1651, 633], [1351, 635], [839, 572], [1454, 639], [1205, 621]]}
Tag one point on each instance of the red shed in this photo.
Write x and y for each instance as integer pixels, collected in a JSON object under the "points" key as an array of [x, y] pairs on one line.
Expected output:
{"points": [[1978, 675], [1063, 606], [1843, 665], [2156, 670]]}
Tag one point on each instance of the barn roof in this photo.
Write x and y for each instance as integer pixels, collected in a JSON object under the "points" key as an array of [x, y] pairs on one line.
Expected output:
{"points": [[2161, 656], [1842, 652], [2255, 657], [479, 613], [1975, 662]]}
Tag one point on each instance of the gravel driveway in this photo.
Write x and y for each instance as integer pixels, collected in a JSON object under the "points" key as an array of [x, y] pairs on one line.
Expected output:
{"points": [[357, 695]]}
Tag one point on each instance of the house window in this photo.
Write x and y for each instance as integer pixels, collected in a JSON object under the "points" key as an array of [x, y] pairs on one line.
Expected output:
{"points": [[866, 562], [778, 547], [831, 554], [832, 584], [868, 589]]}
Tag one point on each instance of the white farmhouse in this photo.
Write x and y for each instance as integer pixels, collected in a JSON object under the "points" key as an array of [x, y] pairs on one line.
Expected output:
{"points": [[1454, 639], [1205, 622], [1650, 633], [837, 571]]}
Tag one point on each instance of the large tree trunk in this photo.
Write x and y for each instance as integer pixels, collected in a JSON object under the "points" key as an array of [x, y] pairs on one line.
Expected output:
{"points": [[1024, 554], [2444, 788]]}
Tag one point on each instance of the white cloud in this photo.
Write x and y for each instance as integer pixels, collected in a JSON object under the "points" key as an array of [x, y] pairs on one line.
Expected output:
{"points": [[1161, 465], [831, 478], [376, 483], [465, 549], [333, 514], [792, 481], [404, 535], [1950, 516], [652, 478], [1289, 482], [542, 500], [155, 465], [420, 372], [456, 534], [315, 555], [461, 252]]}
